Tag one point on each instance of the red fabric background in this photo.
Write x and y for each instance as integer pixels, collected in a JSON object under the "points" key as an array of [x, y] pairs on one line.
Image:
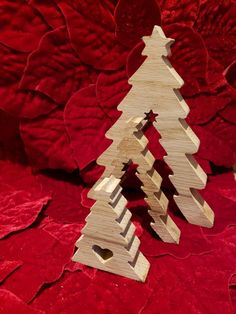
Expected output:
{"points": [[64, 68]]}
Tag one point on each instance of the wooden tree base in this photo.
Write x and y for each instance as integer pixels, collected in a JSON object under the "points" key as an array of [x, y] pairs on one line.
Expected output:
{"points": [[112, 257], [108, 240]]}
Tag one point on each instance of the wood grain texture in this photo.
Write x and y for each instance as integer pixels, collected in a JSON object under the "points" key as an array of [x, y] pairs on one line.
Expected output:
{"points": [[108, 240]]}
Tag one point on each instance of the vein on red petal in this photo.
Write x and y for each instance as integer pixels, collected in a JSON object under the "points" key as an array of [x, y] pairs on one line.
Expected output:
{"points": [[23, 32], [14, 100], [10, 302], [43, 257], [135, 19], [94, 41], [55, 69], [86, 125], [20, 193], [179, 11], [46, 142]]}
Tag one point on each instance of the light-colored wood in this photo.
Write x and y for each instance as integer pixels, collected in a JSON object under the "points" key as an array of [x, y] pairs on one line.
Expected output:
{"points": [[130, 144], [108, 240], [134, 146], [155, 87]]}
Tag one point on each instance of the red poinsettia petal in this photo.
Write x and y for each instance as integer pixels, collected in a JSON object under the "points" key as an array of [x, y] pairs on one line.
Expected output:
{"points": [[220, 194], [88, 271], [93, 9], [205, 164], [135, 59], [25, 104], [8, 267], [46, 142], [215, 77], [224, 131], [66, 190], [111, 89], [229, 193], [14, 202], [10, 303], [20, 177], [232, 280], [223, 181], [110, 4], [64, 295], [14, 100], [86, 124], [199, 278], [216, 24], [215, 95], [55, 69], [230, 74], [92, 35], [72, 289], [67, 234], [204, 106], [24, 31], [43, 257], [20, 193], [232, 290], [91, 173], [135, 19], [85, 201], [49, 11], [229, 112], [10, 142], [209, 280], [189, 57], [214, 148], [178, 11]]}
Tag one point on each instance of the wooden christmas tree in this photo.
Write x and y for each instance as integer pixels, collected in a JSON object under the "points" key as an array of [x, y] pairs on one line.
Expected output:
{"points": [[134, 146], [108, 241], [155, 86]]}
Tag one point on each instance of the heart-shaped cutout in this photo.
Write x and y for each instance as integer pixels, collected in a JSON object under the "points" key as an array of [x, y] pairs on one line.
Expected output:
{"points": [[103, 254]]}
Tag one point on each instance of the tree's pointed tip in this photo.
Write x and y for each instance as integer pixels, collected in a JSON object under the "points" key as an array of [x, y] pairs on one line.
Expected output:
{"points": [[159, 33], [157, 30], [170, 40]]}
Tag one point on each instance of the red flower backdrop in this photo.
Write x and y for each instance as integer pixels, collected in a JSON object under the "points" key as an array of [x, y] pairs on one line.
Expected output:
{"points": [[64, 69]]}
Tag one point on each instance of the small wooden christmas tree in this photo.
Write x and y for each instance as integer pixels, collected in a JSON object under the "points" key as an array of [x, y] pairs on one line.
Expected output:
{"points": [[108, 241], [129, 144], [134, 146]]}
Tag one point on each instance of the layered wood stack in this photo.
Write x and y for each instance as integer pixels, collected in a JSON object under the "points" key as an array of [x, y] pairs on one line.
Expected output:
{"points": [[134, 146], [108, 241]]}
